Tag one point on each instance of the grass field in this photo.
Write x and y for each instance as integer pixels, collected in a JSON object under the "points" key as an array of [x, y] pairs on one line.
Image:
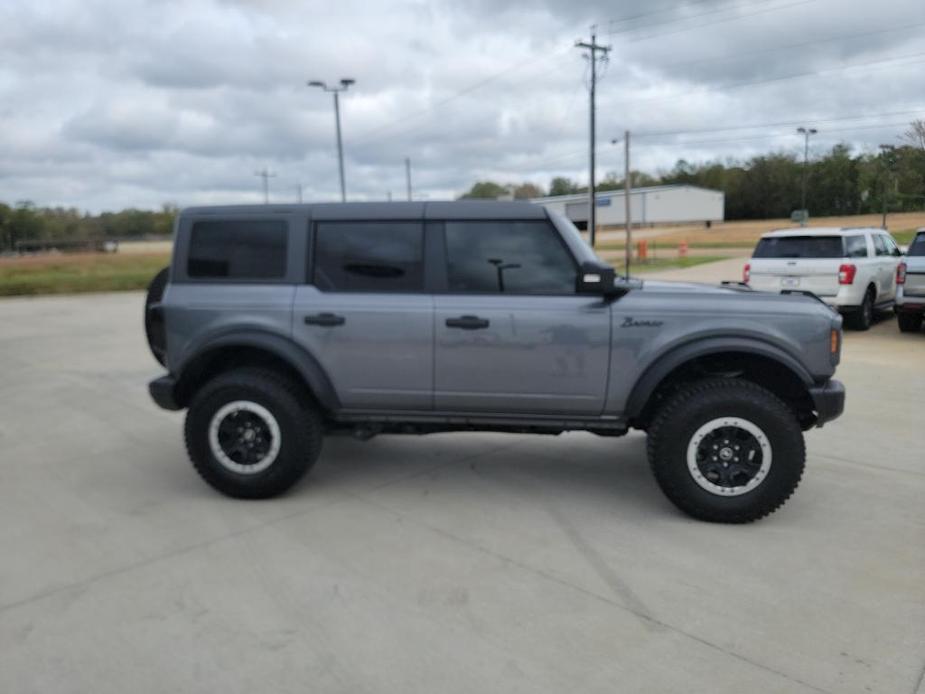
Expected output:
{"points": [[663, 263], [744, 234], [83, 272]]}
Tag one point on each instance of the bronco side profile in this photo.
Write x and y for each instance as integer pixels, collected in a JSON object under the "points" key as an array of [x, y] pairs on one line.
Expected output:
{"points": [[280, 324]]}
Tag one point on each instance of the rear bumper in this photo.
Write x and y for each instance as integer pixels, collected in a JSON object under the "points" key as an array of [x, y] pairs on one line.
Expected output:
{"points": [[162, 391], [828, 401]]}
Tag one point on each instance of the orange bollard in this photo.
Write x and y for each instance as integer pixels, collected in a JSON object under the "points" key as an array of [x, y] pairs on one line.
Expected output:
{"points": [[682, 249], [642, 250]]}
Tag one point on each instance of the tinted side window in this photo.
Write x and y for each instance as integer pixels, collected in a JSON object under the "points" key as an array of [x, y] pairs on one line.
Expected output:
{"points": [[238, 249], [799, 247], [917, 247], [880, 245], [507, 257], [856, 246], [369, 256]]}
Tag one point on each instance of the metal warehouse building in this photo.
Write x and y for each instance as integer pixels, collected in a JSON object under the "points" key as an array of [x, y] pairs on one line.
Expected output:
{"points": [[648, 206]]}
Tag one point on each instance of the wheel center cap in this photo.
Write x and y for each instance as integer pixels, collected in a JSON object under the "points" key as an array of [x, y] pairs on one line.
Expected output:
{"points": [[725, 453], [249, 435]]}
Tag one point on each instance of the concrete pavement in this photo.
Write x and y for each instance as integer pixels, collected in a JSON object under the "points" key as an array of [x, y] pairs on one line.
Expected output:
{"points": [[445, 563]]}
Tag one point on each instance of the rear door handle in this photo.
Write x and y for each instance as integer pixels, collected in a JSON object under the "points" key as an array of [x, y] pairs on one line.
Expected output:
{"points": [[467, 323], [328, 320]]}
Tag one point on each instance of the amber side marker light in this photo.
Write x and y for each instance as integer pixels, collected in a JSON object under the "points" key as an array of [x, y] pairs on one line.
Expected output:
{"points": [[834, 341]]}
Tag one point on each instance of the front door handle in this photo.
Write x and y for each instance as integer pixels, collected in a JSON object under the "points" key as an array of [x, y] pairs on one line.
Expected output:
{"points": [[467, 323], [328, 320]]}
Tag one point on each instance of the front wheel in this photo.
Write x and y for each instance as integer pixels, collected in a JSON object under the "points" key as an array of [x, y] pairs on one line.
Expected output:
{"points": [[726, 450], [252, 434], [909, 322]]}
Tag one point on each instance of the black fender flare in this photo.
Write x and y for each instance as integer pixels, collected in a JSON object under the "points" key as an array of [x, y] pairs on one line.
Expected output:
{"points": [[667, 362], [307, 366]]}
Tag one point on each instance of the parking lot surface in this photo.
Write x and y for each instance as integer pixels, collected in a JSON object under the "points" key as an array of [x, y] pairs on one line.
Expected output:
{"points": [[445, 563]]}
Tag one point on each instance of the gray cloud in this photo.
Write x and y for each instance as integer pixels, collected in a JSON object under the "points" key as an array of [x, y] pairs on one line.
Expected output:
{"points": [[147, 101]]}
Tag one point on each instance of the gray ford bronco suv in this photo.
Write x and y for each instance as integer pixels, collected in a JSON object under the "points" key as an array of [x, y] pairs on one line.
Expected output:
{"points": [[280, 324]]}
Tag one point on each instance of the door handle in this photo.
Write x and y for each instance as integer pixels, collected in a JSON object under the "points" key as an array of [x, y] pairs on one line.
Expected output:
{"points": [[467, 323], [328, 320]]}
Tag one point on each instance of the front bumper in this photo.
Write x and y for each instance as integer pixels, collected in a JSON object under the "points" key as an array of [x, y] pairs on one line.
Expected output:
{"points": [[162, 391], [828, 400]]}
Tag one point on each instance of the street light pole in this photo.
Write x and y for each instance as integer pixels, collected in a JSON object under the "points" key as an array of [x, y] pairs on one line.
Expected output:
{"points": [[344, 85], [806, 132]]}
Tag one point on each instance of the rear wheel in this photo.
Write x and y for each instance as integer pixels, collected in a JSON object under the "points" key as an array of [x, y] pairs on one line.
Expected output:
{"points": [[726, 450], [864, 316], [251, 434], [154, 318], [909, 322]]}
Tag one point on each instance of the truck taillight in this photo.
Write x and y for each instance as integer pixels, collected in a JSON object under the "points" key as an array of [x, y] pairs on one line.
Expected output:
{"points": [[901, 273], [747, 273], [846, 273]]}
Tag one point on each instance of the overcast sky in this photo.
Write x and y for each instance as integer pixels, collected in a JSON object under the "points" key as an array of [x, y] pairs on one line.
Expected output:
{"points": [[106, 105]]}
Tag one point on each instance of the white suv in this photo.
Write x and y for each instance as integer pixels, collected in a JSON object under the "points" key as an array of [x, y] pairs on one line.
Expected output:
{"points": [[910, 282], [852, 269]]}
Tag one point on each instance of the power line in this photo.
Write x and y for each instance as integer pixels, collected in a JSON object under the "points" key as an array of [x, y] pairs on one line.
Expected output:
{"points": [[574, 154], [787, 47], [767, 80], [371, 134], [655, 133]]}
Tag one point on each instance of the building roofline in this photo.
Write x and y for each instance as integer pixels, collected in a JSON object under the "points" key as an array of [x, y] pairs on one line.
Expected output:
{"points": [[620, 192]]}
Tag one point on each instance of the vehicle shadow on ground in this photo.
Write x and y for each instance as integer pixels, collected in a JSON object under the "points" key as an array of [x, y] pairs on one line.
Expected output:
{"points": [[580, 468]]}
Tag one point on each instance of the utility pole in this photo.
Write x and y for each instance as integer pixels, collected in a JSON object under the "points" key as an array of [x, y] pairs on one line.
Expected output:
{"points": [[806, 132], [887, 157], [593, 49], [408, 176], [344, 86], [266, 176], [298, 188], [627, 189], [388, 195]]}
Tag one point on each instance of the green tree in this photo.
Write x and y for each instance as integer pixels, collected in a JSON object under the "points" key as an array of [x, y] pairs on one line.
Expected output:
{"points": [[486, 189], [561, 185], [527, 190]]}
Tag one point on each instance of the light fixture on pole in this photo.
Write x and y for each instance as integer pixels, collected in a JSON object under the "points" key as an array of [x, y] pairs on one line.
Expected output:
{"points": [[805, 132], [342, 87]]}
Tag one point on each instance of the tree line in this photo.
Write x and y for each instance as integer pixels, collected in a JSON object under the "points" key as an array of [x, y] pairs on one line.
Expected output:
{"points": [[839, 182], [24, 222]]}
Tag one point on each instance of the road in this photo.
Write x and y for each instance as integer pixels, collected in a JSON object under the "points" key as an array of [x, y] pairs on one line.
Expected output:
{"points": [[445, 563]]}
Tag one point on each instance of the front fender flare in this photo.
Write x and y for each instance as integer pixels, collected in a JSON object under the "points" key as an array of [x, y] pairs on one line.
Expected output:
{"points": [[667, 362]]}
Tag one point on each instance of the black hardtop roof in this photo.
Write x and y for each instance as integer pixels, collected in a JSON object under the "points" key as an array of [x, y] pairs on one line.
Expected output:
{"points": [[455, 209]]}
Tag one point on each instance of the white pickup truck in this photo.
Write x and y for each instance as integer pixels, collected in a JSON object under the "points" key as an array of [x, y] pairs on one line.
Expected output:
{"points": [[910, 281], [851, 269]]}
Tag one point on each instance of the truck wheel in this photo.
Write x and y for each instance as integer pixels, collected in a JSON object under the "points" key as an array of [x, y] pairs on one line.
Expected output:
{"points": [[864, 316], [251, 434], [726, 450], [154, 319], [909, 322]]}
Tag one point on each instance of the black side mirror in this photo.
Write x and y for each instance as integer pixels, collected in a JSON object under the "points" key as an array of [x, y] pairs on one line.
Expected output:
{"points": [[596, 278]]}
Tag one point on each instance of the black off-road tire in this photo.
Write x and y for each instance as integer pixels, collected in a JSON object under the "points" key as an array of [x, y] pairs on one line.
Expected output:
{"points": [[155, 329], [863, 317], [909, 322], [297, 416], [700, 402]]}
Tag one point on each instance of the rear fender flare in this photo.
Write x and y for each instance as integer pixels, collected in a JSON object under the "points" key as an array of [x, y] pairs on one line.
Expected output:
{"points": [[307, 366]]}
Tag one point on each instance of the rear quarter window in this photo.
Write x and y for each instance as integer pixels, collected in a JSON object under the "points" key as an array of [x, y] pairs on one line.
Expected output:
{"points": [[800, 247], [238, 250]]}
